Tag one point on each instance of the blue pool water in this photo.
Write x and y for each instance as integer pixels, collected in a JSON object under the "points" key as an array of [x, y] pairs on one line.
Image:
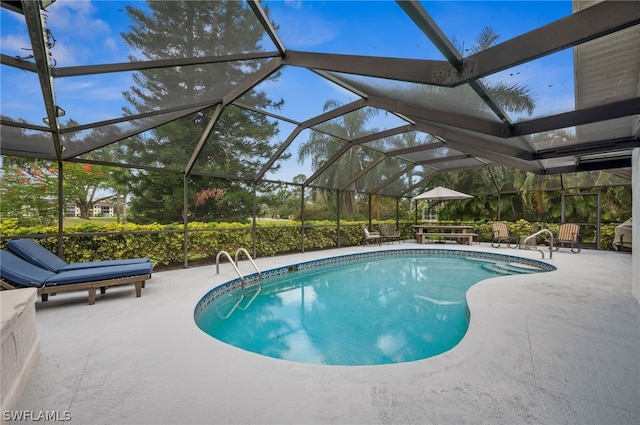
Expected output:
{"points": [[359, 311]]}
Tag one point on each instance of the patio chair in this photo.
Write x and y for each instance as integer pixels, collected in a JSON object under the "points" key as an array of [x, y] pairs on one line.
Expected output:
{"points": [[370, 236], [389, 232], [501, 234], [31, 251], [18, 273], [568, 233]]}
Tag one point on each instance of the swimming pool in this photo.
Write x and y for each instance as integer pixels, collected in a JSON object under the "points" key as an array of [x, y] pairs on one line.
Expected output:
{"points": [[378, 307]]}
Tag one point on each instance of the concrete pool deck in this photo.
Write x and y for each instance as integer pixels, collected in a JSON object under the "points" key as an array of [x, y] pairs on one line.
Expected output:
{"points": [[552, 348]]}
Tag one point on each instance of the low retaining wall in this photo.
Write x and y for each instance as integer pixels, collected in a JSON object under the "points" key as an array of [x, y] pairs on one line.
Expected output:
{"points": [[20, 343]]}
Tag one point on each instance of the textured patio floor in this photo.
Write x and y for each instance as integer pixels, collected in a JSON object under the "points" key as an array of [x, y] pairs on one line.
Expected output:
{"points": [[550, 348]]}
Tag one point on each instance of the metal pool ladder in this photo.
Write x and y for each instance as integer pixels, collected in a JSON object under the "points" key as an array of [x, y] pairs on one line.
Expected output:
{"points": [[244, 288], [526, 242]]}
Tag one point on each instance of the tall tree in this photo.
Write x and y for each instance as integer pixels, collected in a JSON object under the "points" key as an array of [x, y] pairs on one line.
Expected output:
{"points": [[513, 97], [28, 189], [241, 139], [322, 145], [81, 185]]}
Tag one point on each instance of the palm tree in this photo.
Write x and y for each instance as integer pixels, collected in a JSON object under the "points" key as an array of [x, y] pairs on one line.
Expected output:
{"points": [[512, 97], [322, 145]]}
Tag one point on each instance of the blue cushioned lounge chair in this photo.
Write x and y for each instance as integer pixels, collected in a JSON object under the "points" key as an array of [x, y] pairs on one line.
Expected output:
{"points": [[33, 252], [18, 273]]}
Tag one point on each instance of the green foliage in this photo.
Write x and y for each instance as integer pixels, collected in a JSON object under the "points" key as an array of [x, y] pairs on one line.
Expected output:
{"points": [[28, 189], [280, 201], [607, 235], [164, 243], [81, 183], [241, 141]]}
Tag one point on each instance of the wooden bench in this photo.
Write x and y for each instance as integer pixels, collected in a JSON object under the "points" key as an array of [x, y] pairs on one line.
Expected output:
{"points": [[461, 237]]}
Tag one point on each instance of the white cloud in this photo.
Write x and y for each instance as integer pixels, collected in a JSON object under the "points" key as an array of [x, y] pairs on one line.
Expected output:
{"points": [[110, 43], [302, 27], [15, 45], [296, 4], [66, 14], [81, 37], [308, 32]]}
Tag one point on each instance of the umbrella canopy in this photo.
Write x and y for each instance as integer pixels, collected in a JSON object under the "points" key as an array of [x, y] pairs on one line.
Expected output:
{"points": [[440, 194]]}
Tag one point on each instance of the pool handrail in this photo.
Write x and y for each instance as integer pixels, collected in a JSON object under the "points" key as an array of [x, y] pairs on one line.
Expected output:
{"points": [[525, 242], [242, 250], [242, 281], [246, 253], [226, 254]]}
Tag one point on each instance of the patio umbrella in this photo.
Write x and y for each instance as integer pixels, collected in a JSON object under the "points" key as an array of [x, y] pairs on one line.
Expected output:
{"points": [[438, 194]]}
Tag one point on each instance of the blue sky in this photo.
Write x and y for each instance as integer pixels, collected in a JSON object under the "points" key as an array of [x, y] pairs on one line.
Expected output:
{"points": [[88, 32]]}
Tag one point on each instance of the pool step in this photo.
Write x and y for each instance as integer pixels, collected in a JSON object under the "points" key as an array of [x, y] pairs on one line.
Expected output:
{"points": [[511, 268]]}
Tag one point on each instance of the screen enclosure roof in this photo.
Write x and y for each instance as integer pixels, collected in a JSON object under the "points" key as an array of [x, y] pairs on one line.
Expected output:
{"points": [[386, 94]]}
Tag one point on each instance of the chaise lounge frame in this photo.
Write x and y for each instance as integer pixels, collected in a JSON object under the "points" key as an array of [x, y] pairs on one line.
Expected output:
{"points": [[45, 291]]}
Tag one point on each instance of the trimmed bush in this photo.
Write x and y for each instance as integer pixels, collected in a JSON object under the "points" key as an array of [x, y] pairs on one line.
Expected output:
{"points": [[164, 244]]}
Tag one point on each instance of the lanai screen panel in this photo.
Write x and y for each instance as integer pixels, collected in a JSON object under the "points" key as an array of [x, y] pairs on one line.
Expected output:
{"points": [[606, 70], [460, 20], [25, 142], [101, 97], [139, 132], [286, 166], [112, 84], [20, 94], [21, 97], [359, 123], [457, 113], [474, 182], [171, 30], [433, 156], [392, 179], [429, 181], [547, 85], [382, 174], [418, 177], [144, 143], [353, 164], [377, 28], [240, 144], [458, 164], [464, 23], [592, 179], [299, 94], [541, 183], [405, 142], [460, 100], [291, 163], [507, 179]]}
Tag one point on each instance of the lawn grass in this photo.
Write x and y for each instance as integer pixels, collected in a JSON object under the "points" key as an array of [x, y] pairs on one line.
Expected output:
{"points": [[74, 221]]}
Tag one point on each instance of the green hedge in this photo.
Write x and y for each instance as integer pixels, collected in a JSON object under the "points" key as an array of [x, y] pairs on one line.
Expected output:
{"points": [[164, 243]]}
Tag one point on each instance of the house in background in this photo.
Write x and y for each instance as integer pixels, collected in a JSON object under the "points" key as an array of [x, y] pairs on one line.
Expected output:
{"points": [[100, 209]]}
